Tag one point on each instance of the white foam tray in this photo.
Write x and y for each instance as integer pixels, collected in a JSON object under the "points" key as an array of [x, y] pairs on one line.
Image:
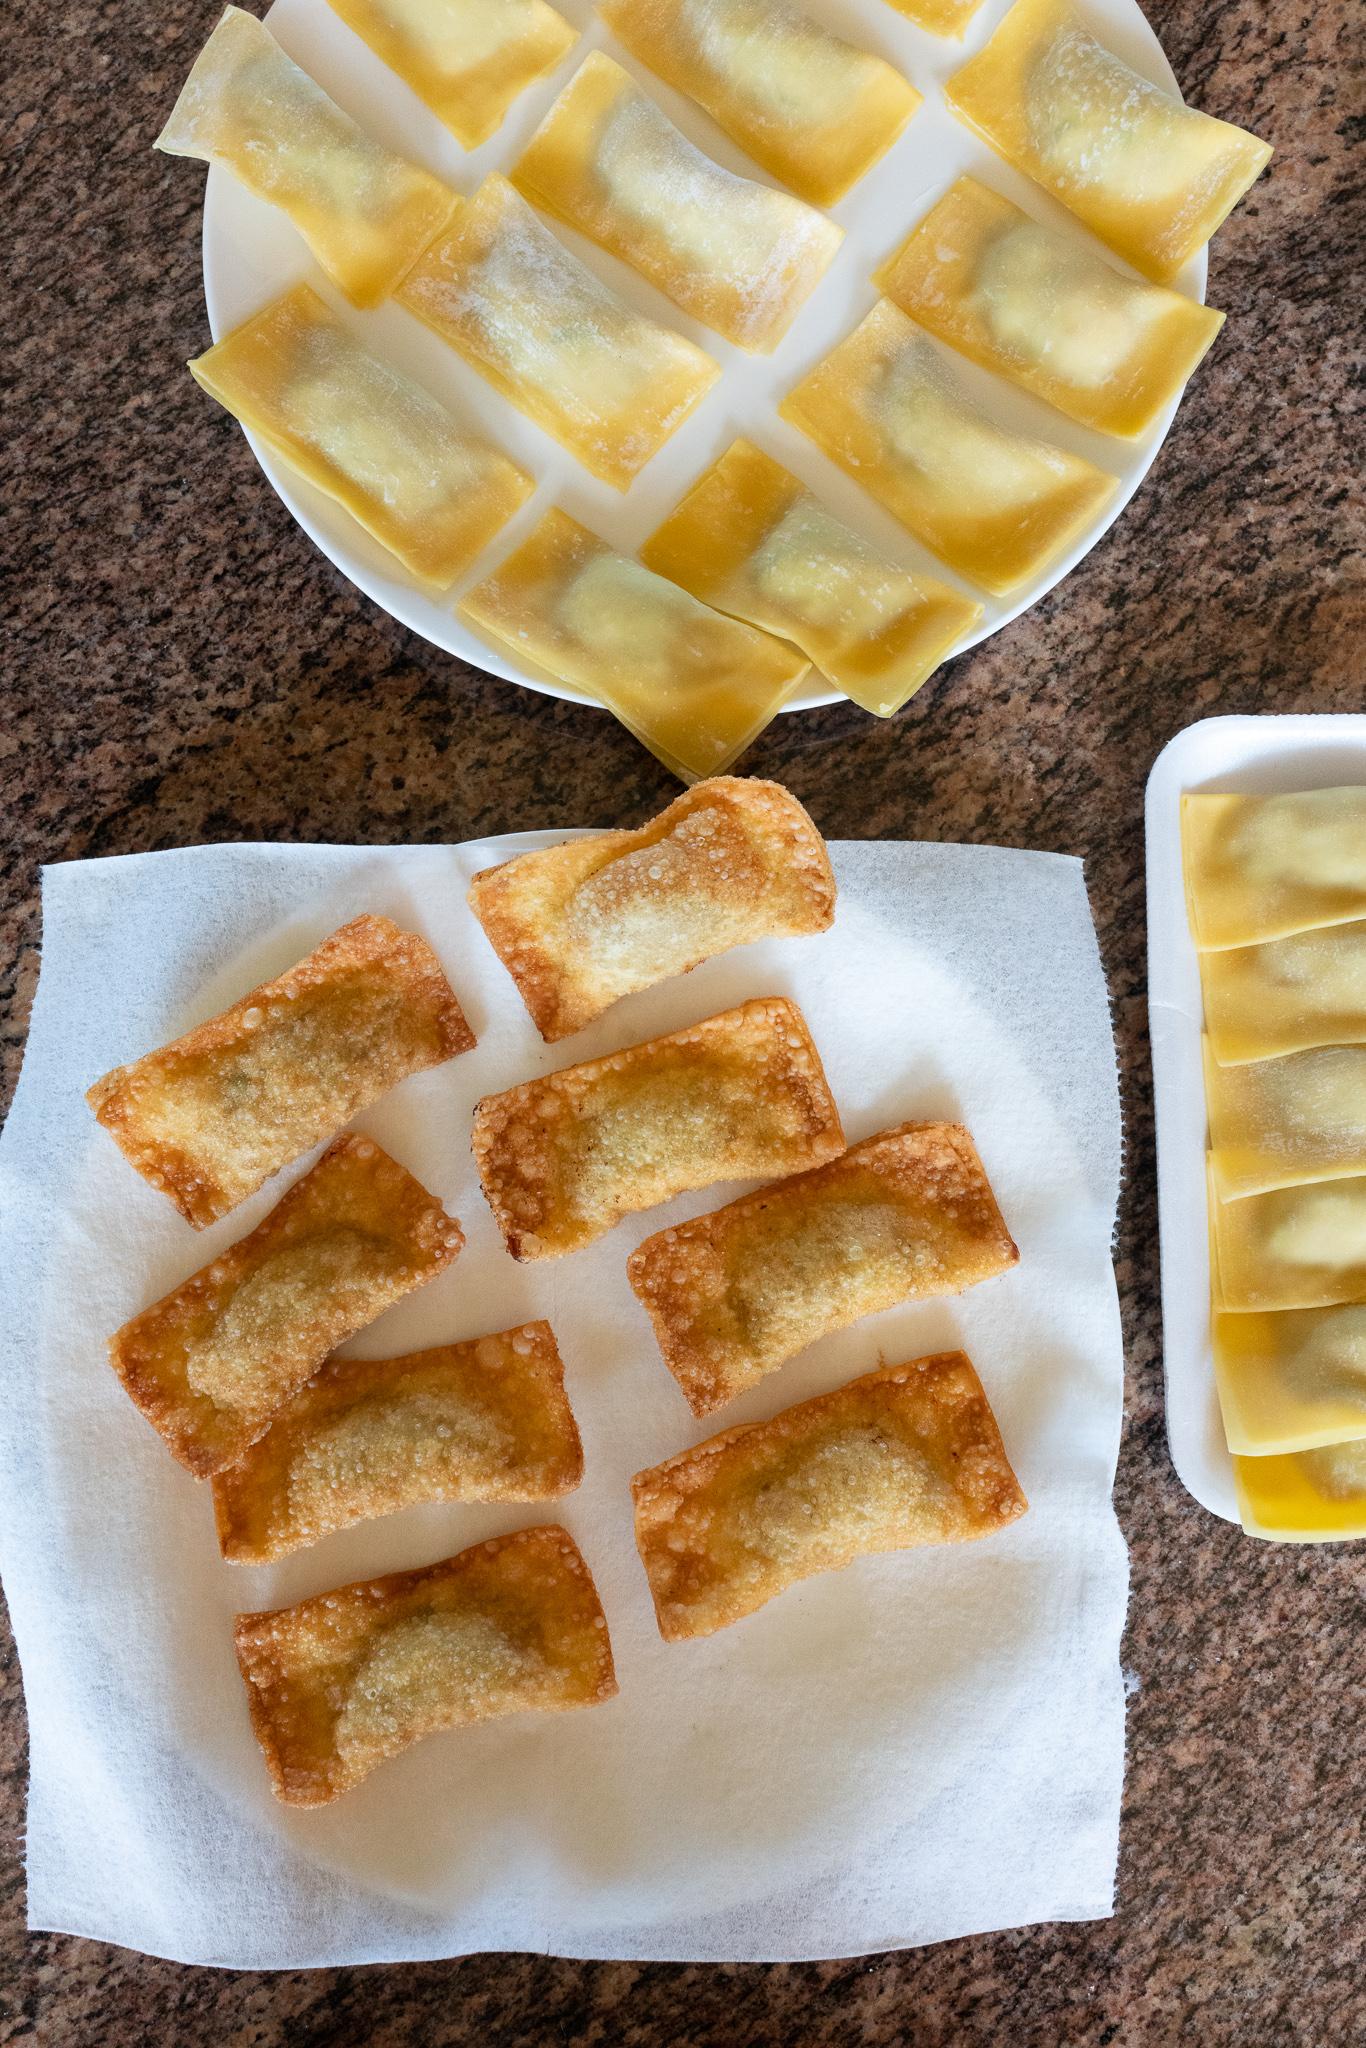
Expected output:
{"points": [[1255, 755]]}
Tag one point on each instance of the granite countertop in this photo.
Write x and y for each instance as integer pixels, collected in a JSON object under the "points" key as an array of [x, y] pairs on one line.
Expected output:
{"points": [[183, 665]]}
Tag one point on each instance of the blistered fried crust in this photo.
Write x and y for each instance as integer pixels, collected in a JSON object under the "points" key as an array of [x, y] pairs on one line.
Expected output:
{"points": [[741, 1096], [735, 1294], [340, 1683], [905, 1456], [579, 926], [485, 1420], [210, 1117], [211, 1363]]}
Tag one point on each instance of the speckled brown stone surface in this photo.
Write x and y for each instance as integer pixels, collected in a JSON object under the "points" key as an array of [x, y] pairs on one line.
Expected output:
{"points": [[181, 665]]}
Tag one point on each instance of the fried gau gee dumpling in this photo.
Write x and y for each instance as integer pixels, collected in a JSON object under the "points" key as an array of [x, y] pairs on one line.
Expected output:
{"points": [[1292, 1380], [1264, 867], [485, 1420], [751, 540], [693, 686], [468, 59], [355, 427], [1286, 995], [888, 408], [342, 1682], [606, 382], [211, 1116], [211, 1363], [1149, 175], [1309, 1497], [738, 256], [1300, 1247], [741, 1096], [1037, 306], [735, 1294], [580, 925], [905, 1456], [807, 106], [365, 213], [1279, 1123]]}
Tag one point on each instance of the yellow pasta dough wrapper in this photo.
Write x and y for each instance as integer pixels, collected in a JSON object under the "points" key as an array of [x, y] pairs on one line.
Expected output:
{"points": [[580, 925], [693, 686], [940, 17], [388, 452], [1299, 1247], [485, 1420], [340, 1683], [750, 539], [738, 256], [1286, 995], [608, 384], [741, 1096], [1149, 175], [210, 1364], [1309, 1497], [210, 1117], [809, 108], [1038, 307], [468, 59], [735, 1294], [365, 213], [1264, 867], [996, 506], [1293, 1380], [903, 1457], [1280, 1123]]}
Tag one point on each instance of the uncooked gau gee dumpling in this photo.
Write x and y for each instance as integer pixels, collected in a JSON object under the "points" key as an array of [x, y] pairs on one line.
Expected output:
{"points": [[608, 383], [695, 687], [1286, 995], [1300, 1247], [365, 213], [355, 427], [807, 106], [886, 406], [468, 59], [750, 539], [739, 256], [1293, 1380], [1279, 1123], [1038, 307], [1264, 867], [1149, 175], [1314, 1496]]}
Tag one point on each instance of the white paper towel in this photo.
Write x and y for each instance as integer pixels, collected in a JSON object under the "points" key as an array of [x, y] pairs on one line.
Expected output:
{"points": [[929, 1744]]}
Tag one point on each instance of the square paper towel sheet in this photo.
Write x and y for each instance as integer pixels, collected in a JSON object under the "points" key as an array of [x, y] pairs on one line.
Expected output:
{"points": [[929, 1744]]}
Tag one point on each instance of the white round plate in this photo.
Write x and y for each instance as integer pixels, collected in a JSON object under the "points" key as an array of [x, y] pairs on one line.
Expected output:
{"points": [[251, 253]]}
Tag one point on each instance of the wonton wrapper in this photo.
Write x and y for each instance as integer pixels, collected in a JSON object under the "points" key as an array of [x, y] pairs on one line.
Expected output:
{"points": [[211, 1363], [741, 1096], [751, 540], [738, 256], [1150, 176], [365, 213], [886, 407], [1280, 1123], [693, 686], [581, 925], [1264, 867], [1311, 1497], [388, 452], [468, 59], [906, 1456], [940, 17], [1300, 1247], [485, 1420], [208, 1118], [1291, 1381], [1037, 306], [1286, 995], [608, 384], [809, 108], [342, 1682], [735, 1294]]}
